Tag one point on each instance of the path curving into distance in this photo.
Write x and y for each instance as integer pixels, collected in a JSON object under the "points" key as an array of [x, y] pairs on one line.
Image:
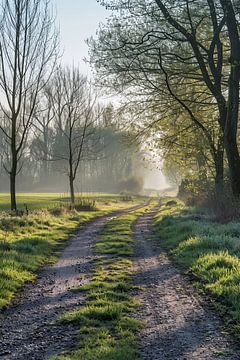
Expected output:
{"points": [[29, 330], [176, 325]]}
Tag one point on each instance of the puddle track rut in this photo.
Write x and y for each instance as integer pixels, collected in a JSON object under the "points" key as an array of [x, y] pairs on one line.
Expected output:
{"points": [[28, 331], [177, 326]]}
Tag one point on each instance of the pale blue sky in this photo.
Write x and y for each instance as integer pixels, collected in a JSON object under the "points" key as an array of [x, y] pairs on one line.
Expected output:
{"points": [[78, 20]]}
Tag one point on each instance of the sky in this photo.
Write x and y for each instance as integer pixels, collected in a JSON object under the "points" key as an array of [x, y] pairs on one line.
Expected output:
{"points": [[78, 20]]}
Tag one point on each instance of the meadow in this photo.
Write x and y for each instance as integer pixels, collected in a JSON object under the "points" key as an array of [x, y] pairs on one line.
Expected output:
{"points": [[27, 242], [38, 201]]}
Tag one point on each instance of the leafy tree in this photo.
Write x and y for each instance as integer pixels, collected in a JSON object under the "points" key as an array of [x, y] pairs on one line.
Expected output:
{"points": [[173, 56]]}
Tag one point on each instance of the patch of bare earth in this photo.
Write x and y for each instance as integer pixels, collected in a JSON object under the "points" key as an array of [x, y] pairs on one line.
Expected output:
{"points": [[29, 330], [178, 326]]}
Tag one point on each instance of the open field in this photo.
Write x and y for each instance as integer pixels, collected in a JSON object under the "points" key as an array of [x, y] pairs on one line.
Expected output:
{"points": [[208, 250], [38, 201], [28, 242]]}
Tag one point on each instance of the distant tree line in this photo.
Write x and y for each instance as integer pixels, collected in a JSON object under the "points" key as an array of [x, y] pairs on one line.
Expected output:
{"points": [[110, 161]]}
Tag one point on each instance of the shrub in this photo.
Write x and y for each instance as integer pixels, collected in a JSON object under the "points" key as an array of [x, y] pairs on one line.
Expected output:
{"points": [[125, 196], [132, 184], [84, 204], [225, 207], [171, 203], [195, 192]]}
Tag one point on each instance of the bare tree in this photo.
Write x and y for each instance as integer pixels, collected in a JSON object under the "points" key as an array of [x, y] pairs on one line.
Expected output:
{"points": [[44, 134], [74, 118], [28, 52]]}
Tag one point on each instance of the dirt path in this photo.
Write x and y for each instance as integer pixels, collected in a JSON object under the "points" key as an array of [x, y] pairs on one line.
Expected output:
{"points": [[28, 331], [177, 326]]}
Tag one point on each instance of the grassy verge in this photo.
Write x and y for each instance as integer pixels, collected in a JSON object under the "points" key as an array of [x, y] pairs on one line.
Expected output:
{"points": [[28, 242], [106, 329], [208, 250]]}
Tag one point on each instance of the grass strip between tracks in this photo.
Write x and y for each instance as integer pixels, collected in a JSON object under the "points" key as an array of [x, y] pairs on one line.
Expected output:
{"points": [[106, 329]]}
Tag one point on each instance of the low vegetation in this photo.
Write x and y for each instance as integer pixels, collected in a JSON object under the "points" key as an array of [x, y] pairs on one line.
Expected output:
{"points": [[106, 328], [39, 201], [29, 241], [208, 250]]}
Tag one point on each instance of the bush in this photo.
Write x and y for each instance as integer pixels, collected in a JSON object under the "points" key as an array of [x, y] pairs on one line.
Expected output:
{"points": [[171, 203], [132, 184], [225, 207], [58, 211], [125, 196], [195, 192], [84, 204]]}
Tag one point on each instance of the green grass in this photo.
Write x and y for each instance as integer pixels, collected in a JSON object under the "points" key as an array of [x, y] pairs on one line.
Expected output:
{"points": [[208, 250], [28, 242], [38, 201], [106, 329]]}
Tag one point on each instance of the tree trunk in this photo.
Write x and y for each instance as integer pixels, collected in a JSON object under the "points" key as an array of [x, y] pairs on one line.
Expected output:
{"points": [[231, 125], [13, 189], [234, 165], [45, 162], [13, 172], [219, 173], [72, 193], [231, 129]]}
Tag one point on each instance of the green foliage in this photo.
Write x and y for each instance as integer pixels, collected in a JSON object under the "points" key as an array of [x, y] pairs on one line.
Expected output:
{"points": [[166, 101], [210, 251]]}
